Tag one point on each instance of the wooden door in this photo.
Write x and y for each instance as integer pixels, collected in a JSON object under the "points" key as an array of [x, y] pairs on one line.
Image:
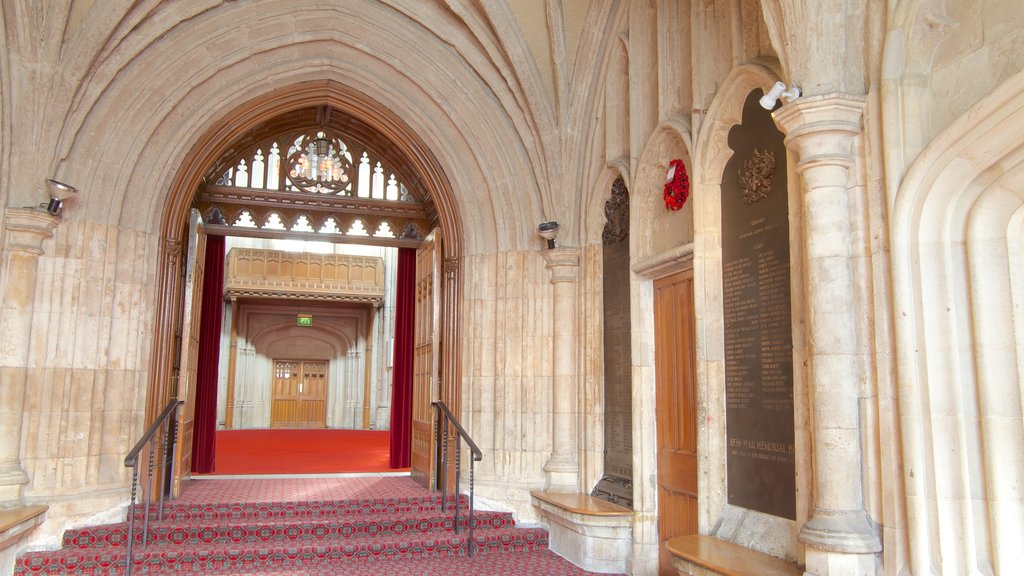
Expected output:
{"points": [[422, 461], [188, 351], [675, 368], [299, 394]]}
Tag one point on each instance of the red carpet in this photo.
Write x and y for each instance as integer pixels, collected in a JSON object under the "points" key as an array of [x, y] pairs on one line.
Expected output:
{"points": [[381, 526], [282, 451]]}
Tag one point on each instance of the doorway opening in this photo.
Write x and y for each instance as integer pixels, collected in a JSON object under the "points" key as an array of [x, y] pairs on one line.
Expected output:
{"points": [[345, 170]]}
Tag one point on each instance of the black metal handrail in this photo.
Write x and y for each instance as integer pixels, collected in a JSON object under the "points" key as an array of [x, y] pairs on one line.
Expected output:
{"points": [[445, 417], [162, 426]]}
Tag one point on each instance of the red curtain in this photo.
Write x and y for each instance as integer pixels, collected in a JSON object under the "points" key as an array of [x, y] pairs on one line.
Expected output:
{"points": [[401, 372], [204, 432]]}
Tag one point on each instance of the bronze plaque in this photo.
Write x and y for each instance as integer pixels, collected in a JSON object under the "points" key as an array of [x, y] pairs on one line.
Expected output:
{"points": [[761, 467], [617, 484]]}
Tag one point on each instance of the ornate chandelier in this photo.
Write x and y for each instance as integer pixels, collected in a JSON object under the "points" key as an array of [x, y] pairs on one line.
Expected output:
{"points": [[320, 165]]}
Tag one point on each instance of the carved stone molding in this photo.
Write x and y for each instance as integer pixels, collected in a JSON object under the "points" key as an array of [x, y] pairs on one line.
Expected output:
{"points": [[564, 264], [27, 228], [451, 267]]}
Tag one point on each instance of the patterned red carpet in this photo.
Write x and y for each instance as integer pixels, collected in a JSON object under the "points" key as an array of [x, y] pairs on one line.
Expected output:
{"points": [[380, 526], [287, 451]]}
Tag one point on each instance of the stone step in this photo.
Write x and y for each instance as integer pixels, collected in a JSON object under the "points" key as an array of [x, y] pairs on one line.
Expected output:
{"points": [[258, 557], [231, 531], [174, 511]]}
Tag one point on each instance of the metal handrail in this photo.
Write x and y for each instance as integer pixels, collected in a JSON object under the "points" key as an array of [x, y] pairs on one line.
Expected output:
{"points": [[162, 425], [446, 415]]}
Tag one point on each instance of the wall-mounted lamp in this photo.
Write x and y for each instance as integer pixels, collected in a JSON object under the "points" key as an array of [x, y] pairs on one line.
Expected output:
{"points": [[59, 192], [777, 91], [548, 231]]}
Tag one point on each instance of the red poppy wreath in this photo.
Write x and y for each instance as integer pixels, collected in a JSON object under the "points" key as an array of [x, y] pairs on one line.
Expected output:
{"points": [[677, 185]]}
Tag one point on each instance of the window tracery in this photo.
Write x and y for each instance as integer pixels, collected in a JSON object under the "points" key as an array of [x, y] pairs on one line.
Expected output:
{"points": [[313, 182]]}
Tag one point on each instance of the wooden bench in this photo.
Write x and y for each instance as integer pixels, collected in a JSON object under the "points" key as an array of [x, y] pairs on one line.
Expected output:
{"points": [[715, 556], [15, 522], [581, 504], [592, 533]]}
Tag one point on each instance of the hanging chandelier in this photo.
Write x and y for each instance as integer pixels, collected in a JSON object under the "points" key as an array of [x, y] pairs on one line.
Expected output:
{"points": [[320, 165]]}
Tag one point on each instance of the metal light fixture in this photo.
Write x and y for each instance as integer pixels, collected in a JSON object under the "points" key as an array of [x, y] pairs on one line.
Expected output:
{"points": [[777, 91], [318, 164], [548, 231], [59, 192]]}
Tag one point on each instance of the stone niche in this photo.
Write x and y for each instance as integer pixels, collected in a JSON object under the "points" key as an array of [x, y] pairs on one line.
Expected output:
{"points": [[761, 469]]}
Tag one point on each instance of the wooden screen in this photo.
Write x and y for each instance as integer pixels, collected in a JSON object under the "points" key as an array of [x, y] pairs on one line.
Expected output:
{"points": [[299, 394], [675, 369]]}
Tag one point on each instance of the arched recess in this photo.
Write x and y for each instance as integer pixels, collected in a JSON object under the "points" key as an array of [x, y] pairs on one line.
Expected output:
{"points": [[711, 153], [322, 341], [653, 254], [213, 144], [956, 261]]}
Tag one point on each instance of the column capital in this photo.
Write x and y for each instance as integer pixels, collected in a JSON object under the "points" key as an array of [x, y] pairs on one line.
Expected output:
{"points": [[564, 264], [821, 129], [27, 228]]}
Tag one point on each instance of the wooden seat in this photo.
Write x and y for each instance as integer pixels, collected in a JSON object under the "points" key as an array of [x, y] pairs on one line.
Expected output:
{"points": [[14, 522], [729, 559], [581, 504]]}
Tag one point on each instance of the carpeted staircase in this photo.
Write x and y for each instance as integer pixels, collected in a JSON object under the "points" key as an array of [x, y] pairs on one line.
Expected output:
{"points": [[383, 536]]}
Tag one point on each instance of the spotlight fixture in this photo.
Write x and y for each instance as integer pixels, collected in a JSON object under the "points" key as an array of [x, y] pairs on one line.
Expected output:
{"points": [[59, 192], [548, 231], [777, 91]]}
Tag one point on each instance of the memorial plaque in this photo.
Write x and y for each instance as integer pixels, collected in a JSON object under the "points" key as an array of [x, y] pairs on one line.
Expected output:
{"points": [[617, 484], [761, 470]]}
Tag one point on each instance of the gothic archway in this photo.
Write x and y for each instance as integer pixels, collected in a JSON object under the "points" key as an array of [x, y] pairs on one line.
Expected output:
{"points": [[409, 152]]}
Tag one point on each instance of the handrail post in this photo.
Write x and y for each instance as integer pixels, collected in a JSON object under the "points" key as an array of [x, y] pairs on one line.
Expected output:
{"points": [[444, 413], [458, 473], [160, 425], [444, 463], [131, 520], [148, 491], [472, 542], [163, 469]]}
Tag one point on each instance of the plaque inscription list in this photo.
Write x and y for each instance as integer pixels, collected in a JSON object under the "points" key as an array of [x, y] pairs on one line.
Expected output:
{"points": [[758, 332]]}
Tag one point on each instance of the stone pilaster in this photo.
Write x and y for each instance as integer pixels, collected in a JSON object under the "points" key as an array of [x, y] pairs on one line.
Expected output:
{"points": [[563, 468], [25, 229], [840, 536]]}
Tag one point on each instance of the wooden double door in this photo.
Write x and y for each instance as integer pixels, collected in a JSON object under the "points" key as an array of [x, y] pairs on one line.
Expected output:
{"points": [[299, 394]]}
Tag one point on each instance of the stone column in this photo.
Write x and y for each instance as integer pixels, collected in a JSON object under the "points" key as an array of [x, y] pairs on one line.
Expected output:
{"points": [[840, 536], [25, 230], [563, 468]]}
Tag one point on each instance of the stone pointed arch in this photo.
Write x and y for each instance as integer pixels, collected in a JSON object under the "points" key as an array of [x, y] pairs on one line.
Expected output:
{"points": [[222, 134], [958, 290], [712, 152]]}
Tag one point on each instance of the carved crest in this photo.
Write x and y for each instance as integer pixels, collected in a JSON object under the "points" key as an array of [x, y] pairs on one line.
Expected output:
{"points": [[616, 214], [756, 176]]}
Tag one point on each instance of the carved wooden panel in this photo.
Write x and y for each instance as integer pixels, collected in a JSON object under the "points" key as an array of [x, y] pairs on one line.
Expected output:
{"points": [[337, 277]]}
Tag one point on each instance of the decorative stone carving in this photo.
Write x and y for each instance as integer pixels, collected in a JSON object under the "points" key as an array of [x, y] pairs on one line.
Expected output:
{"points": [[451, 267], [756, 175], [616, 214]]}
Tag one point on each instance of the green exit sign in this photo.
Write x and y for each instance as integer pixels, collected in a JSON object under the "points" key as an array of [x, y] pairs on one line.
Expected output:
{"points": [[305, 320]]}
